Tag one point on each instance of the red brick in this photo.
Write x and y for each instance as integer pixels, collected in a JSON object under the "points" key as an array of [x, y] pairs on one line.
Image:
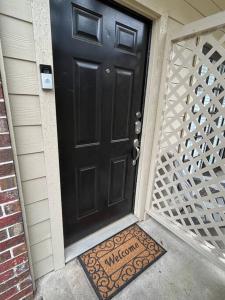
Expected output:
{"points": [[9, 284], [3, 234], [7, 183], [10, 220], [24, 275], [27, 282], [6, 154], [22, 268], [19, 249], [2, 109], [29, 297], [1, 91], [9, 196], [8, 294], [12, 242], [12, 208], [7, 169], [13, 262], [22, 294], [4, 125], [5, 140], [5, 256], [15, 280], [15, 229], [6, 276]]}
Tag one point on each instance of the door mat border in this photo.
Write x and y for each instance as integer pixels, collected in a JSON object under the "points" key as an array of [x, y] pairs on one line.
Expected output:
{"points": [[132, 278]]}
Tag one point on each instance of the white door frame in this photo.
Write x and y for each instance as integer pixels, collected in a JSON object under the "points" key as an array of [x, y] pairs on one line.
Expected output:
{"points": [[43, 48]]}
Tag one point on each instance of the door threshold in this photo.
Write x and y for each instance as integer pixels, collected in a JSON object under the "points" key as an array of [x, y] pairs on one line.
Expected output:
{"points": [[97, 237]]}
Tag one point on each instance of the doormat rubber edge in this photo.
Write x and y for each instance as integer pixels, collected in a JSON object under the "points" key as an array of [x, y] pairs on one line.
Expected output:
{"points": [[132, 278]]}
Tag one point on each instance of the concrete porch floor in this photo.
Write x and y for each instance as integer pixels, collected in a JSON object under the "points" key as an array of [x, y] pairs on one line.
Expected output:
{"points": [[182, 273]]}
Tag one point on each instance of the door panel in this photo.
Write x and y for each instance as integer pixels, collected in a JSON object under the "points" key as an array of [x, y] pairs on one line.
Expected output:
{"points": [[87, 24], [99, 54], [87, 191], [87, 103], [121, 104], [126, 38], [117, 180]]}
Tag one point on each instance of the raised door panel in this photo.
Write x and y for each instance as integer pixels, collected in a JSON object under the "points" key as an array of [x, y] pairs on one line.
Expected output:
{"points": [[118, 168], [87, 191], [122, 104], [126, 38], [87, 25], [87, 103]]}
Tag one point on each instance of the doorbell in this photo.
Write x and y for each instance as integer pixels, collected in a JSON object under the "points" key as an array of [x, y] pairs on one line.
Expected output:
{"points": [[46, 77]]}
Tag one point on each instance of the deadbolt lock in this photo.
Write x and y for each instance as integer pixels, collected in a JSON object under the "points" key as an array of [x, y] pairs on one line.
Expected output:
{"points": [[138, 127], [138, 114]]}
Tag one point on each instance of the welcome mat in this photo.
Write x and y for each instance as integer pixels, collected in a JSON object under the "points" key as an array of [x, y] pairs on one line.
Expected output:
{"points": [[114, 263]]}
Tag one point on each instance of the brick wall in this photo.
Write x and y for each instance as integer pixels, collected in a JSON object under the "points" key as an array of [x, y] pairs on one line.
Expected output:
{"points": [[15, 278]]}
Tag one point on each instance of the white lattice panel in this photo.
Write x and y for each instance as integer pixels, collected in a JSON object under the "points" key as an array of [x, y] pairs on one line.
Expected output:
{"points": [[189, 183]]}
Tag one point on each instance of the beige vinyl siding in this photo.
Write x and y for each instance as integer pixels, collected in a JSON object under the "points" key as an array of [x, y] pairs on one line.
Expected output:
{"points": [[17, 40], [39, 232], [35, 190], [41, 251], [16, 33], [43, 267], [21, 76], [205, 7], [37, 212], [18, 9], [220, 4], [25, 110], [29, 139], [32, 166]]}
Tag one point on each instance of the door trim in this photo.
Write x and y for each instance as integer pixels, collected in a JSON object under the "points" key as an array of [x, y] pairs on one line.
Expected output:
{"points": [[43, 49], [156, 54]]}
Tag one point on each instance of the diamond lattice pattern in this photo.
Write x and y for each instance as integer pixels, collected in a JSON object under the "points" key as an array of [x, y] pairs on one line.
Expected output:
{"points": [[189, 184]]}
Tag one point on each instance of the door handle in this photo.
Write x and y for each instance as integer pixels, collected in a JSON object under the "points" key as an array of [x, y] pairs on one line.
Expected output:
{"points": [[136, 152]]}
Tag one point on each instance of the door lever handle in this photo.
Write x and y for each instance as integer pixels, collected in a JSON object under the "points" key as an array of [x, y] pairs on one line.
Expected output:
{"points": [[136, 152]]}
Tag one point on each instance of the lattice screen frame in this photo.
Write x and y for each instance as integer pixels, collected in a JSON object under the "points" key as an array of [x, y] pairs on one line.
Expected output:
{"points": [[187, 172]]}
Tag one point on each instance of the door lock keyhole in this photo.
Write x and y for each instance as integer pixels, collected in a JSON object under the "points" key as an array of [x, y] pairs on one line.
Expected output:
{"points": [[138, 114]]}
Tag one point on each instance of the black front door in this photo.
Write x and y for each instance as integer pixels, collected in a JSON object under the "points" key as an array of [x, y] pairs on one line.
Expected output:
{"points": [[99, 54]]}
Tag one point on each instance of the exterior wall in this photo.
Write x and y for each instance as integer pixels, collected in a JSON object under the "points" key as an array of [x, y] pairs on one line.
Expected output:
{"points": [[15, 277], [20, 59], [16, 34]]}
